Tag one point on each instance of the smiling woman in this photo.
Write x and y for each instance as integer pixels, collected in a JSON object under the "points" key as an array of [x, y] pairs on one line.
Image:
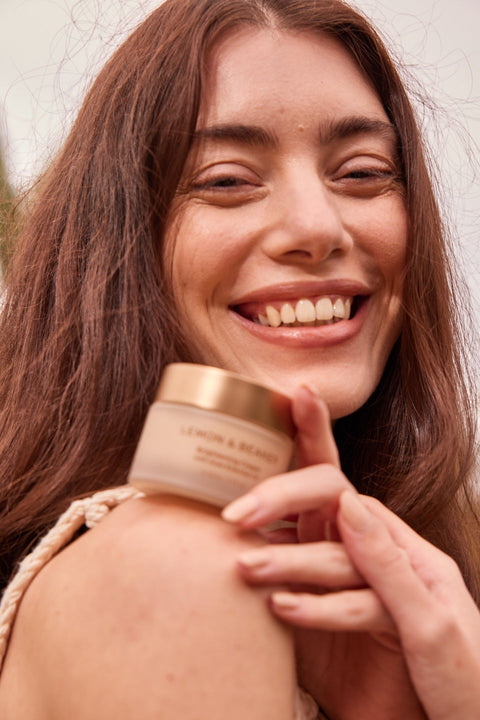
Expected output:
{"points": [[245, 187], [292, 198]]}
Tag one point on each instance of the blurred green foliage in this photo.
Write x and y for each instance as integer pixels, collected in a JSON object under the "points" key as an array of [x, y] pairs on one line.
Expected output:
{"points": [[7, 214]]}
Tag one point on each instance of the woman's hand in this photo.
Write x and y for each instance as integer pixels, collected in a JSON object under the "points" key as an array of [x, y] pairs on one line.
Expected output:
{"points": [[386, 626], [436, 619]]}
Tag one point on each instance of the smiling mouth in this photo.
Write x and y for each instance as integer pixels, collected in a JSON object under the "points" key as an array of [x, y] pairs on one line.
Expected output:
{"points": [[304, 312]]}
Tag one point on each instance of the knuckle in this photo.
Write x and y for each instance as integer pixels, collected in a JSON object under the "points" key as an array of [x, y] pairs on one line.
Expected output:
{"points": [[361, 607], [443, 576], [450, 567], [389, 556], [339, 477], [327, 477], [335, 553], [440, 629], [337, 559]]}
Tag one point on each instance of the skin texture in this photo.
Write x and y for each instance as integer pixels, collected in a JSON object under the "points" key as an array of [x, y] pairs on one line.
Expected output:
{"points": [[286, 209], [136, 618]]}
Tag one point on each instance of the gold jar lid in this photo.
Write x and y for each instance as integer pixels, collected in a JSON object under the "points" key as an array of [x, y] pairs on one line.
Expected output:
{"points": [[222, 391]]}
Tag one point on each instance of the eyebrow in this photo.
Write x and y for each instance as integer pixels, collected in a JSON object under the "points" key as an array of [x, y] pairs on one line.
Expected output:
{"points": [[356, 125], [243, 134], [329, 131]]}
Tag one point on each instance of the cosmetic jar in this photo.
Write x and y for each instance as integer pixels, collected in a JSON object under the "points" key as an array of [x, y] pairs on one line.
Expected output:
{"points": [[211, 435]]}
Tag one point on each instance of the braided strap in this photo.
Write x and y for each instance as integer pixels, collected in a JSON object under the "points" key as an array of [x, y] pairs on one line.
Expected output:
{"points": [[87, 511]]}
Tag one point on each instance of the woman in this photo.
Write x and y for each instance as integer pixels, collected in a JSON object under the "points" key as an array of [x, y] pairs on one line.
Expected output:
{"points": [[232, 159]]}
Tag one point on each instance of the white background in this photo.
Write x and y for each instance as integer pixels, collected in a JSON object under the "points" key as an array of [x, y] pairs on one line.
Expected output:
{"points": [[51, 49]]}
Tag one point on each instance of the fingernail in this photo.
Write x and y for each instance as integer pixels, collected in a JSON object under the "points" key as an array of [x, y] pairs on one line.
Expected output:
{"points": [[354, 512], [310, 390], [254, 559], [240, 509], [284, 600]]}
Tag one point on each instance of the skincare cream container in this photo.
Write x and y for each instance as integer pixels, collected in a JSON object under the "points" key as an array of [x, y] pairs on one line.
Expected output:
{"points": [[211, 435]]}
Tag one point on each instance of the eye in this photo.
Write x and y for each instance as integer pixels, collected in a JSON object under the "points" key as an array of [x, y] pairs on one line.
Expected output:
{"points": [[368, 173], [226, 184], [366, 176]]}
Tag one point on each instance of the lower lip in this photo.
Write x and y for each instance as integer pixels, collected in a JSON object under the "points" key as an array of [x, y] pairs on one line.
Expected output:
{"points": [[320, 336]]}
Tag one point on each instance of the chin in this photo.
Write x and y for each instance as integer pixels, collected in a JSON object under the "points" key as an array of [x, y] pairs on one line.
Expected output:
{"points": [[342, 397]]}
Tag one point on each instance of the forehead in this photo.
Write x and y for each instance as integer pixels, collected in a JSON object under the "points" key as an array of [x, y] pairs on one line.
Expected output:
{"points": [[272, 72]]}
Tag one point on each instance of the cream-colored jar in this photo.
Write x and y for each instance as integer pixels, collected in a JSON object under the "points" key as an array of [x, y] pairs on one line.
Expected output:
{"points": [[211, 435]]}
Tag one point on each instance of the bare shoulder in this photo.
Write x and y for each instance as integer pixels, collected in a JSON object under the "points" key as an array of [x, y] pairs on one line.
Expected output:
{"points": [[145, 616]]}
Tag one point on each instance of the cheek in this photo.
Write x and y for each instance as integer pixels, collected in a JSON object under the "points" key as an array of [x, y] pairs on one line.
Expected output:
{"points": [[392, 257], [386, 238], [191, 255], [395, 247], [208, 249]]}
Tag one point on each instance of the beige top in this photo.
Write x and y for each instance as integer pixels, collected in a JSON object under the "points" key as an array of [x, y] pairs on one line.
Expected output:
{"points": [[87, 512]]}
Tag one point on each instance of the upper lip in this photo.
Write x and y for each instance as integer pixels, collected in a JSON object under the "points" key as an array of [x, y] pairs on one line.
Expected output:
{"points": [[296, 290]]}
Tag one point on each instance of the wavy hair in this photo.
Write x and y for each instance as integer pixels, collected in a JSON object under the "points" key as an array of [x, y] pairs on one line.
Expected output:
{"points": [[89, 322]]}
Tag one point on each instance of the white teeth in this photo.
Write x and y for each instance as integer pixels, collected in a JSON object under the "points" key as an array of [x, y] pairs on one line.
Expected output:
{"points": [[287, 314], [348, 308], [324, 309], [306, 313], [338, 308], [273, 316]]}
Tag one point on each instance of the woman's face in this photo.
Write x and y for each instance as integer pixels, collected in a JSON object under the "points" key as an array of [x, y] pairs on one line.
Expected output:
{"points": [[287, 239]]}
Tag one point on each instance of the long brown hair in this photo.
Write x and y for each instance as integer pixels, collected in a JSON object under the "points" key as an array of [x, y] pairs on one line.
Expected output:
{"points": [[89, 322]]}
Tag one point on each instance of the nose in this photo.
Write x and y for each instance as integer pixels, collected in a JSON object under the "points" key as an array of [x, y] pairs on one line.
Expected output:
{"points": [[307, 225]]}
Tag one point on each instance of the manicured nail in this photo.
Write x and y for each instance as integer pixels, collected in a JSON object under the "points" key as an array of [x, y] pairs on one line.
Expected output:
{"points": [[354, 512], [254, 559], [285, 600], [240, 509]]}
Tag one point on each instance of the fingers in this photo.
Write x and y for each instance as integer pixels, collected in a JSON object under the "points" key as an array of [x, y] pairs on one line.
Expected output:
{"points": [[426, 559], [315, 488], [348, 611], [374, 551], [315, 441], [386, 553], [437, 620], [324, 564]]}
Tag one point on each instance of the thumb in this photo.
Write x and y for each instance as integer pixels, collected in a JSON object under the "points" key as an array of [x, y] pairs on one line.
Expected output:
{"points": [[315, 441]]}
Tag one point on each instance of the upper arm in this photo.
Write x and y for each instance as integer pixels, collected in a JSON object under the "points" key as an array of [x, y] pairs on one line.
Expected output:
{"points": [[145, 617]]}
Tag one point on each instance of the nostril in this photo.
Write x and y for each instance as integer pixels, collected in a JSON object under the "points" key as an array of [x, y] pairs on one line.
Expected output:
{"points": [[299, 253]]}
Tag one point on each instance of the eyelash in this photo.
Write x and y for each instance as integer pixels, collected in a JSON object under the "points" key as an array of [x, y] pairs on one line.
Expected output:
{"points": [[219, 183], [368, 173], [368, 183]]}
